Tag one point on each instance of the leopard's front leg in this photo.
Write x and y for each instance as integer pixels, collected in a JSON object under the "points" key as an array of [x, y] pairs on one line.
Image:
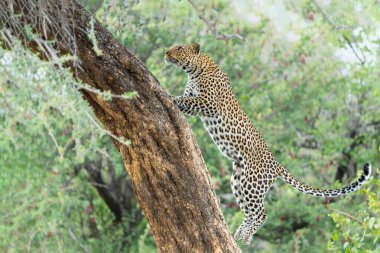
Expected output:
{"points": [[195, 105]]}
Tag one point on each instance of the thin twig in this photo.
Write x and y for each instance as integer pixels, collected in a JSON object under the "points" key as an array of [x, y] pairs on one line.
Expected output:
{"points": [[346, 214], [211, 24], [46, 125], [50, 132], [76, 239], [330, 20], [125, 143], [353, 49], [338, 27], [102, 93], [31, 240], [8, 38]]}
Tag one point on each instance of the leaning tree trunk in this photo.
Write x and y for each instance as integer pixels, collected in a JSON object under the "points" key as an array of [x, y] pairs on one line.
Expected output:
{"points": [[164, 164]]}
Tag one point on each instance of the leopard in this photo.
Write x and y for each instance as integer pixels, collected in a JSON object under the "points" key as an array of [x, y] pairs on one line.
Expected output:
{"points": [[208, 94]]}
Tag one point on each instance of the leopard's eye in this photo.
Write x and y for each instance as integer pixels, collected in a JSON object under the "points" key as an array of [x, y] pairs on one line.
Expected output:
{"points": [[179, 48]]}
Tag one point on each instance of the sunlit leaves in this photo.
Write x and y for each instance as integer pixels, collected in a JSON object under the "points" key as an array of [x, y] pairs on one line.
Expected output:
{"points": [[363, 236]]}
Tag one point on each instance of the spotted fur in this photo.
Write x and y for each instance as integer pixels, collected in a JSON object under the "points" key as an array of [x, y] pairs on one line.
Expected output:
{"points": [[208, 94]]}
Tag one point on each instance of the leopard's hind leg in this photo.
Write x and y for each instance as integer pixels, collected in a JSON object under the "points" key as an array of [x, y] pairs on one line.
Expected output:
{"points": [[236, 179], [251, 224], [260, 219], [235, 184], [244, 226], [253, 185]]}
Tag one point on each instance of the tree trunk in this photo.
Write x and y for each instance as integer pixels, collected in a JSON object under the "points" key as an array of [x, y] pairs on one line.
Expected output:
{"points": [[165, 165]]}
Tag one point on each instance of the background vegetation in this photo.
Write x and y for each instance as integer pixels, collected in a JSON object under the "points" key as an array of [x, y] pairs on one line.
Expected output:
{"points": [[307, 74]]}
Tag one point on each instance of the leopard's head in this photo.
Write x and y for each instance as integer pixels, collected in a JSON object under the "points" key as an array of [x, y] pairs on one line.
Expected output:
{"points": [[183, 55]]}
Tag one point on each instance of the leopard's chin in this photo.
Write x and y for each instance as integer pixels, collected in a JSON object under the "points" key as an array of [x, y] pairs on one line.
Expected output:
{"points": [[171, 60]]}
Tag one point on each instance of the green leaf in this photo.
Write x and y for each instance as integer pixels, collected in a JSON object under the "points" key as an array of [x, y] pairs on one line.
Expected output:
{"points": [[335, 236], [371, 222]]}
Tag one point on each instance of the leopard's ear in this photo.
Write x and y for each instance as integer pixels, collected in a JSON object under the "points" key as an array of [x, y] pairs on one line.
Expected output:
{"points": [[197, 48]]}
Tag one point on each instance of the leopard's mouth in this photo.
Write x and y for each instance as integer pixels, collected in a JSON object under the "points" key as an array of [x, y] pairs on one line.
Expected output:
{"points": [[171, 60]]}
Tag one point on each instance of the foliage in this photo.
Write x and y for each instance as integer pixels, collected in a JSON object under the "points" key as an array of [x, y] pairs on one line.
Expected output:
{"points": [[48, 131], [306, 72], [359, 232]]}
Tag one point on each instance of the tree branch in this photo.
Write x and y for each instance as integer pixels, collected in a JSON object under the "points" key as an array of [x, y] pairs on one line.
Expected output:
{"points": [[95, 176], [346, 214], [353, 49], [211, 24], [329, 20], [338, 27]]}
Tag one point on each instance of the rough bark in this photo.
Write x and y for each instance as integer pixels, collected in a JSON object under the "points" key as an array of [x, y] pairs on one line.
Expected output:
{"points": [[168, 174]]}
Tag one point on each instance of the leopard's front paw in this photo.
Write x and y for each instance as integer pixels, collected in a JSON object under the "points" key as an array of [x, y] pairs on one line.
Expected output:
{"points": [[169, 96], [177, 100]]}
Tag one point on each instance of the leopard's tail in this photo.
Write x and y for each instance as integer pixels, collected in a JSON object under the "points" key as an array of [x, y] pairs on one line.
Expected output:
{"points": [[354, 186]]}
